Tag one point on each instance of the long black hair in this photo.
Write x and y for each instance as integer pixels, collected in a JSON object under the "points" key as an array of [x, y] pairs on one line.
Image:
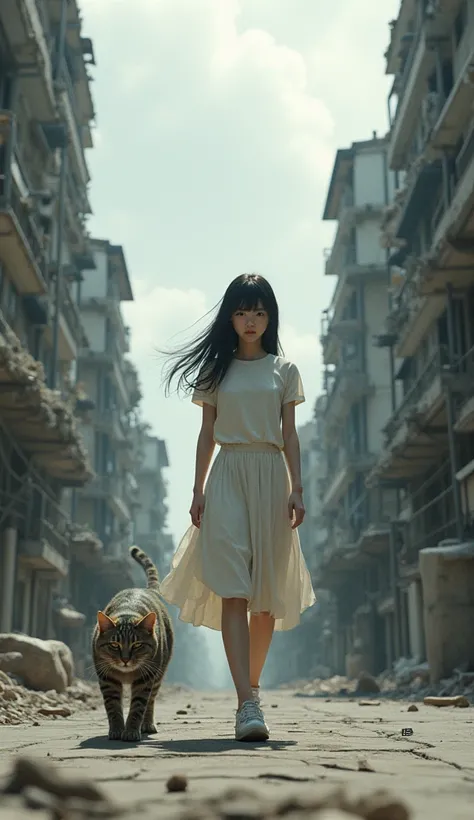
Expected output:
{"points": [[204, 364]]}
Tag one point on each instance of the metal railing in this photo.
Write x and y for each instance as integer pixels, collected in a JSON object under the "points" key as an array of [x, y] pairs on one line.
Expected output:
{"points": [[430, 524], [433, 368]]}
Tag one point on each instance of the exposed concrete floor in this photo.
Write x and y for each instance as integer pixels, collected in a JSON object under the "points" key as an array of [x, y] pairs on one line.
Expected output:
{"points": [[314, 743]]}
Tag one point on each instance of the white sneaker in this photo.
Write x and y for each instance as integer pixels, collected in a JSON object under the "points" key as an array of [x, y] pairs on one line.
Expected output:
{"points": [[250, 723]]}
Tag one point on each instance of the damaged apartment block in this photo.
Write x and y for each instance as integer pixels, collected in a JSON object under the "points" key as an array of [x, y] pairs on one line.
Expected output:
{"points": [[71, 437], [420, 575]]}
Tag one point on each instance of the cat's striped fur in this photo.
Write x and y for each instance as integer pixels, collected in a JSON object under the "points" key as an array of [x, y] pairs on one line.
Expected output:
{"points": [[132, 644]]}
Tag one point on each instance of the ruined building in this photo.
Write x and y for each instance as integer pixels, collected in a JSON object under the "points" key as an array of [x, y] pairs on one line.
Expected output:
{"points": [[409, 460], [68, 397]]}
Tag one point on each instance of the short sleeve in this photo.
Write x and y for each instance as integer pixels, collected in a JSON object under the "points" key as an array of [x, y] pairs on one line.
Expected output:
{"points": [[293, 390], [201, 397]]}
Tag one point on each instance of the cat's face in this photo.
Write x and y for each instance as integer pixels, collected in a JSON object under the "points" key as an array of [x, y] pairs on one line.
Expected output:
{"points": [[126, 646]]}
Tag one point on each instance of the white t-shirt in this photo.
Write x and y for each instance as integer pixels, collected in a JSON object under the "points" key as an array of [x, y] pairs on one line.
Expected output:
{"points": [[250, 398]]}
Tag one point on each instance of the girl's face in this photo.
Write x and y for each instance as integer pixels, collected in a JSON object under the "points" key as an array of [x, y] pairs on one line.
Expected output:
{"points": [[250, 325]]}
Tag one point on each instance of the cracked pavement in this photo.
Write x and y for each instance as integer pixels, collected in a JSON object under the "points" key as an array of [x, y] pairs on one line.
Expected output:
{"points": [[315, 743]]}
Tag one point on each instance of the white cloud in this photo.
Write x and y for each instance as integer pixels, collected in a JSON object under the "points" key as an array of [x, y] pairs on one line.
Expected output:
{"points": [[219, 120]]}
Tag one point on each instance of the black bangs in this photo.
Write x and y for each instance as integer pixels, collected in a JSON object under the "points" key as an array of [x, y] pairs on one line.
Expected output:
{"points": [[249, 295]]}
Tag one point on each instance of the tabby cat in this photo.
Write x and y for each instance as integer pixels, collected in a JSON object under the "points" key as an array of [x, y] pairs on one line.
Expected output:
{"points": [[132, 644]]}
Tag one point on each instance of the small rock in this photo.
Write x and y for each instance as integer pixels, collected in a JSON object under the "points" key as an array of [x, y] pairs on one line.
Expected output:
{"points": [[9, 694], [412, 708], [364, 766], [181, 712], [58, 711], [369, 703], [177, 783]]}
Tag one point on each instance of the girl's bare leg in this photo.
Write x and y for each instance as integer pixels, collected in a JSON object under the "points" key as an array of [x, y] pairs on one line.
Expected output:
{"points": [[235, 635], [261, 634]]}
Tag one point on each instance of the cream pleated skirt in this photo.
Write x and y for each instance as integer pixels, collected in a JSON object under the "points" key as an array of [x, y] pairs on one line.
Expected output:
{"points": [[245, 547]]}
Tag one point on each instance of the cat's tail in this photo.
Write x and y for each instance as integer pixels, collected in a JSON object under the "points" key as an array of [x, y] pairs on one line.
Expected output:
{"points": [[147, 564]]}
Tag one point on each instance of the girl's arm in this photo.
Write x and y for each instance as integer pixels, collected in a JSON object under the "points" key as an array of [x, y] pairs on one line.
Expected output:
{"points": [[293, 459], [204, 450]]}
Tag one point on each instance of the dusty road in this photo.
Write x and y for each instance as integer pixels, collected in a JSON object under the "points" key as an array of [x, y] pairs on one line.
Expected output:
{"points": [[315, 744]]}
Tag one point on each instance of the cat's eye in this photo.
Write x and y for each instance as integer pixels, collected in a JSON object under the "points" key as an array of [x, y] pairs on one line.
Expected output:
{"points": [[137, 645], [114, 645]]}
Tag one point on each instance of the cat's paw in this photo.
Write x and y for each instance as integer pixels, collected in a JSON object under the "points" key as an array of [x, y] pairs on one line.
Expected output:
{"points": [[149, 729], [116, 733], [131, 735]]}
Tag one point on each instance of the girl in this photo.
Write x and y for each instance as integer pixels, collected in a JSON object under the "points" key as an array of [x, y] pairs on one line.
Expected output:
{"points": [[242, 552]]}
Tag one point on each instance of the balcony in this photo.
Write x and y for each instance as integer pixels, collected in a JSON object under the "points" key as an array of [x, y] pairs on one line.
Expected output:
{"points": [[112, 359], [464, 367], [70, 108], [111, 489], [413, 314], [21, 248], [71, 331], [370, 520], [111, 421], [335, 331], [417, 432], [337, 557], [457, 219], [433, 518], [454, 112], [347, 384], [410, 87], [39, 420], [25, 32], [44, 538], [110, 305], [343, 471]]}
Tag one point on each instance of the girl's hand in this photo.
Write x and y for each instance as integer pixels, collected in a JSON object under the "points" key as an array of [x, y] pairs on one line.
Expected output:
{"points": [[197, 509], [296, 509]]}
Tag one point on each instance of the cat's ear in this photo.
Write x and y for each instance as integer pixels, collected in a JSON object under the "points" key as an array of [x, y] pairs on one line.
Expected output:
{"points": [[104, 622], [148, 622]]}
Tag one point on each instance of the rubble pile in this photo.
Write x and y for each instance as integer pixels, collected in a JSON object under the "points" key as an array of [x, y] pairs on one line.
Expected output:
{"points": [[409, 680], [42, 787], [19, 705]]}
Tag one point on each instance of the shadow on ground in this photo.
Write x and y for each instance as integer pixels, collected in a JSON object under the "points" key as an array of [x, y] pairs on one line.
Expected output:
{"points": [[185, 746]]}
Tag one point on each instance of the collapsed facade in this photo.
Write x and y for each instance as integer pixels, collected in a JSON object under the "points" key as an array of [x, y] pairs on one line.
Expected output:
{"points": [[421, 469]]}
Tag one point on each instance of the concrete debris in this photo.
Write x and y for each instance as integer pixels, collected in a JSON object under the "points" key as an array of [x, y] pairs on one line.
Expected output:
{"points": [[367, 685], [460, 701], [407, 670], [19, 705], [409, 680], [42, 665]]}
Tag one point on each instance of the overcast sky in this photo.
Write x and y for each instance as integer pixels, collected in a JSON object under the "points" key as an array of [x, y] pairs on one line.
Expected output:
{"points": [[217, 127]]}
